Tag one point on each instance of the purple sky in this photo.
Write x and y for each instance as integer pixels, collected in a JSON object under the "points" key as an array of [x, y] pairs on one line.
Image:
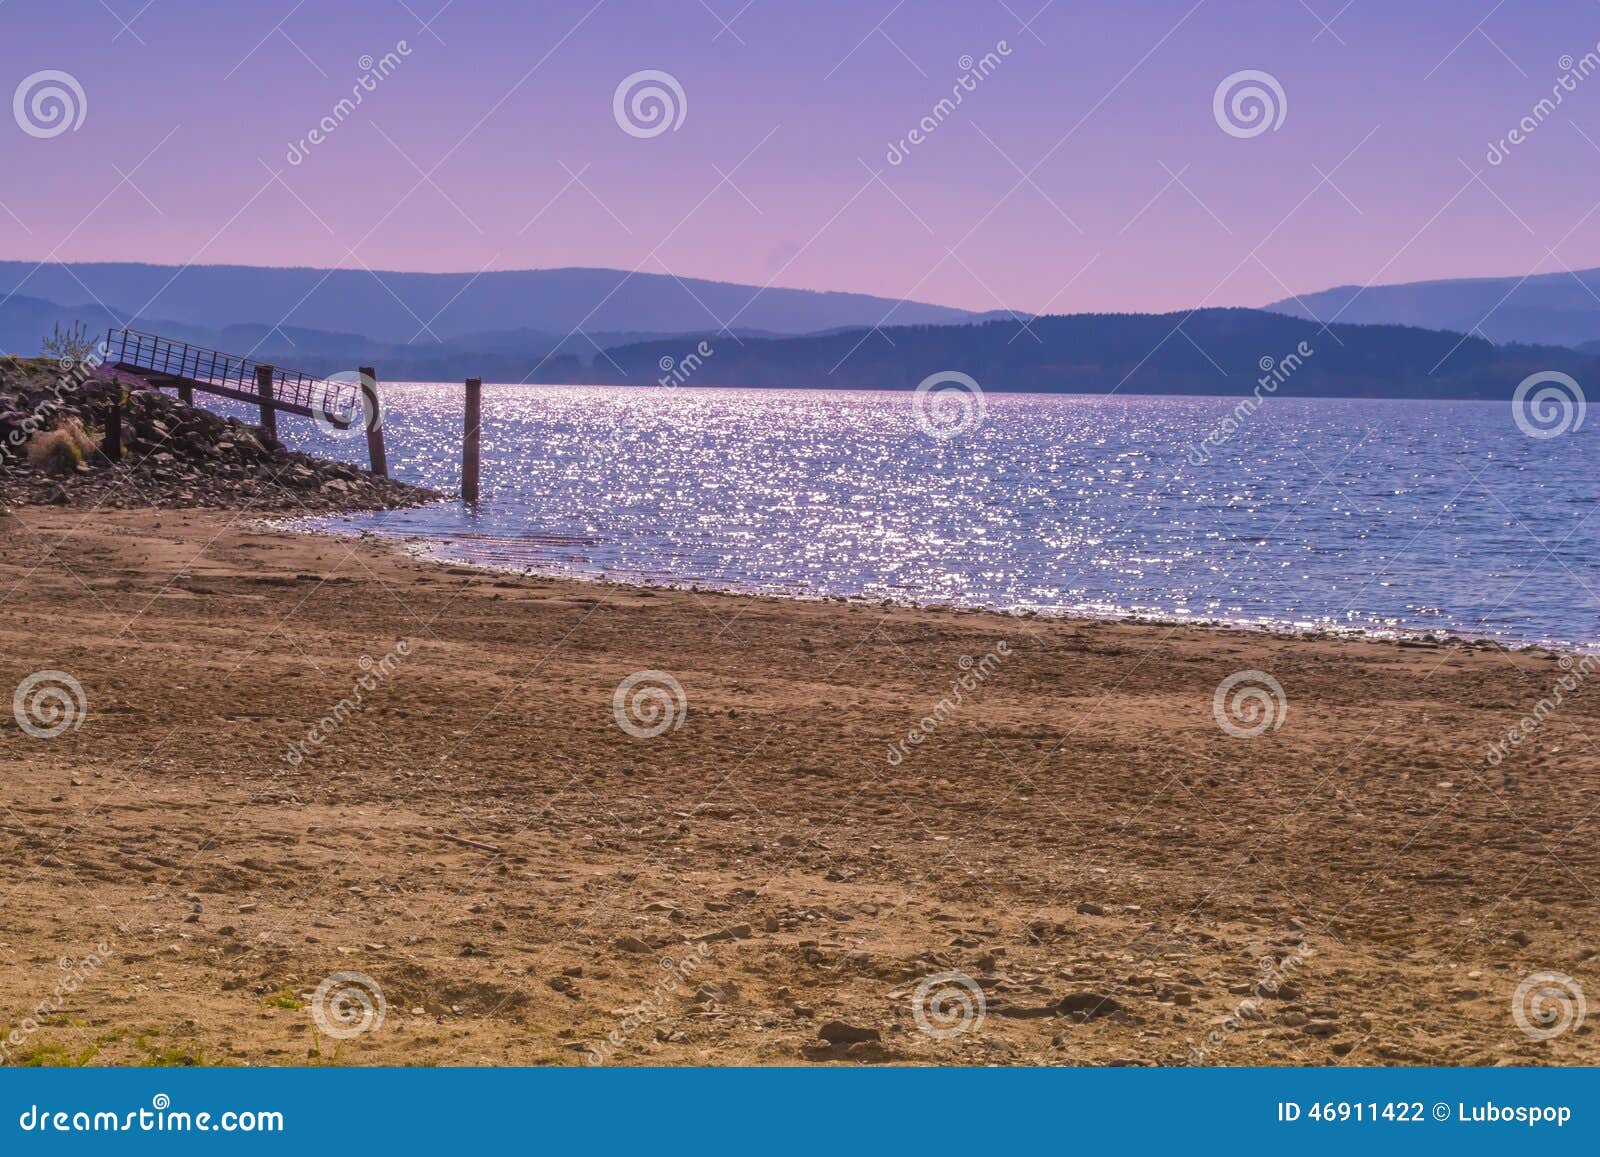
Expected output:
{"points": [[1085, 172]]}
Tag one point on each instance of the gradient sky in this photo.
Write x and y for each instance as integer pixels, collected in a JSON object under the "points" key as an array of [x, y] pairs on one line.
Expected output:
{"points": [[1134, 198]]}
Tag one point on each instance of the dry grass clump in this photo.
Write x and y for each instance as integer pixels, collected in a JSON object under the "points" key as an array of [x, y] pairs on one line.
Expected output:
{"points": [[64, 448]]}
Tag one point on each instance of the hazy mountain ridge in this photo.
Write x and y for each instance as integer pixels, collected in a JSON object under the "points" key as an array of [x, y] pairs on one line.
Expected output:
{"points": [[495, 355], [418, 308], [1214, 351], [1548, 308]]}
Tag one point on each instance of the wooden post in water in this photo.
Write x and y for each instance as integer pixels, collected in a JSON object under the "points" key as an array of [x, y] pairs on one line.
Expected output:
{"points": [[469, 445], [372, 414], [185, 394], [269, 413]]}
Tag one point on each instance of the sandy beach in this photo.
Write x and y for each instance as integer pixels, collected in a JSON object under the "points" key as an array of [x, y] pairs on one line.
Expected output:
{"points": [[1072, 863]]}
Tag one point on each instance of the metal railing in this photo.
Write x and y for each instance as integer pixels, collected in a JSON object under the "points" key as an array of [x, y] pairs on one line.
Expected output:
{"points": [[157, 357]]}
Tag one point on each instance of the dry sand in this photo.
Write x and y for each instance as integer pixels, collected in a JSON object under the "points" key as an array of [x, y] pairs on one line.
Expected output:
{"points": [[1078, 837]]}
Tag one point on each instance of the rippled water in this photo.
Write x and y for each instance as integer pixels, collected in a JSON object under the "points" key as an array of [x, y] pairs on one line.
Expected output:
{"points": [[1318, 513]]}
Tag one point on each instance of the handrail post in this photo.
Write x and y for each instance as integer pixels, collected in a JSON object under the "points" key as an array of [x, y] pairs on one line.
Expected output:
{"points": [[469, 445], [185, 390], [269, 414], [372, 415]]}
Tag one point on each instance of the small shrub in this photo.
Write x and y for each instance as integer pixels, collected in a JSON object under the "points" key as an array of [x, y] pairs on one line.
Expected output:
{"points": [[62, 449], [69, 347]]}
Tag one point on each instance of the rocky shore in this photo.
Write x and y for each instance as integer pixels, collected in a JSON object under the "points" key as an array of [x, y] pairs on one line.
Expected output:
{"points": [[173, 454]]}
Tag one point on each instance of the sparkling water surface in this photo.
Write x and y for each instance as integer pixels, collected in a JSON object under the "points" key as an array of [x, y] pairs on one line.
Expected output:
{"points": [[1318, 513]]}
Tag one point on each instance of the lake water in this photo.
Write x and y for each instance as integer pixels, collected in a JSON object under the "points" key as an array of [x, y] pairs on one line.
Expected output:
{"points": [[1315, 513]]}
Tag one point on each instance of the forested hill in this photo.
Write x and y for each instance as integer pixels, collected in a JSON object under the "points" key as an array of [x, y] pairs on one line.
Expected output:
{"points": [[1212, 351]]}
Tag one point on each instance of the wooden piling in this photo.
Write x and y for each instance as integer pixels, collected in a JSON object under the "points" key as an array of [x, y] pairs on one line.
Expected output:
{"points": [[111, 446], [185, 394], [372, 415], [269, 413], [469, 445]]}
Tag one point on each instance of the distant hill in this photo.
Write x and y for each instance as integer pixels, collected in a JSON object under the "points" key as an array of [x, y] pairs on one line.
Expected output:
{"points": [[422, 308], [495, 355], [1212, 351], [1551, 308], [27, 321]]}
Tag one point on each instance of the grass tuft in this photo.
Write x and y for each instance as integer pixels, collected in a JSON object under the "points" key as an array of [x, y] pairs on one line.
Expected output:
{"points": [[62, 449]]}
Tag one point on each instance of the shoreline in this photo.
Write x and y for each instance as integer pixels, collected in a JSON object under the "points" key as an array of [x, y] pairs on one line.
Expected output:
{"points": [[1073, 831], [432, 548]]}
